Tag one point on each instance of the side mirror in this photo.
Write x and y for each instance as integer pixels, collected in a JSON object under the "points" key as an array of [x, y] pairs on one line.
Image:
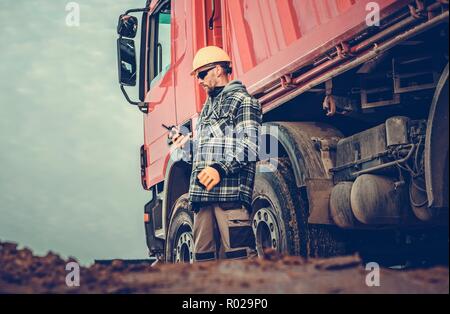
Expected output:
{"points": [[126, 57], [127, 26]]}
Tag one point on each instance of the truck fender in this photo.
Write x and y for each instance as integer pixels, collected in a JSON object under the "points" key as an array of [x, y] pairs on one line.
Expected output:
{"points": [[436, 147], [298, 140]]}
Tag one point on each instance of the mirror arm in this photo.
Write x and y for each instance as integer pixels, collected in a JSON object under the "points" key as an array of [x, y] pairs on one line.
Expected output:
{"points": [[142, 106], [213, 14], [137, 10]]}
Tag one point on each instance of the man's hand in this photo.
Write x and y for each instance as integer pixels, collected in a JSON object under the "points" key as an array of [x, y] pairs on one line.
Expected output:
{"points": [[209, 177], [179, 140]]}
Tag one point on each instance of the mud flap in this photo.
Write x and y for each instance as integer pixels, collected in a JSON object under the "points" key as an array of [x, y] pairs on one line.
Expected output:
{"points": [[319, 191], [155, 245]]}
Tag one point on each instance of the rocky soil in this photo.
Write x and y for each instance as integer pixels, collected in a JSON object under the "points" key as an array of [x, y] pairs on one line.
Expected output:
{"points": [[23, 272]]}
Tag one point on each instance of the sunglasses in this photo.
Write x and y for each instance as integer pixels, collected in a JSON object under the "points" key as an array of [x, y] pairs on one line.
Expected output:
{"points": [[201, 75]]}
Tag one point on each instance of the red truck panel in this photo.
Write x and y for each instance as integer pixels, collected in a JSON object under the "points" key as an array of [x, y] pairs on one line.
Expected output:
{"points": [[269, 38]]}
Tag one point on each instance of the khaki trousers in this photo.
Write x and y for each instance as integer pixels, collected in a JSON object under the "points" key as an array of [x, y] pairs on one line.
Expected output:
{"points": [[223, 230]]}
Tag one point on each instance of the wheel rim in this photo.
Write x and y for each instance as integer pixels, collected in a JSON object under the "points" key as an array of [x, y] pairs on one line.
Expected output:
{"points": [[266, 231], [184, 250]]}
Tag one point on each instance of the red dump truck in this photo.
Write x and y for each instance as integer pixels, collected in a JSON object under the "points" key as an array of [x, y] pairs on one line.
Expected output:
{"points": [[354, 95]]}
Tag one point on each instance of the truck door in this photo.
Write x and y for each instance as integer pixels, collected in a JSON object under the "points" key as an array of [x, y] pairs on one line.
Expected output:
{"points": [[159, 90], [207, 30]]}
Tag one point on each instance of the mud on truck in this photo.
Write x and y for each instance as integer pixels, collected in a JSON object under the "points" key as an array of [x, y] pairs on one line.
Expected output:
{"points": [[357, 92]]}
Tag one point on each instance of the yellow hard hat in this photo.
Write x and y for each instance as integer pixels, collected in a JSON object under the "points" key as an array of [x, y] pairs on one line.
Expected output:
{"points": [[208, 55]]}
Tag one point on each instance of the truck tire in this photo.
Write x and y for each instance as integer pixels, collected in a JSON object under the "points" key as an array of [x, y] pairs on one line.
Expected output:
{"points": [[280, 216], [274, 217], [179, 247]]}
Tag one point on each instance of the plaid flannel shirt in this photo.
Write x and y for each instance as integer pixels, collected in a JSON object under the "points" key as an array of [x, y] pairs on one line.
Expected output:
{"points": [[226, 138]]}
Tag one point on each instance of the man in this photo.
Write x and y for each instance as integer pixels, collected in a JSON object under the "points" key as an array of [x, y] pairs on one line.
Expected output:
{"points": [[224, 160]]}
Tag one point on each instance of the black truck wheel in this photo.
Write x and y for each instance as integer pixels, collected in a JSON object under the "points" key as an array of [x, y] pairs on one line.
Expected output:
{"points": [[280, 216], [180, 240], [274, 217]]}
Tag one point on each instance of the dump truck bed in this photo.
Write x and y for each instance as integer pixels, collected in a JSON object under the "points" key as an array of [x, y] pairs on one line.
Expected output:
{"points": [[273, 38]]}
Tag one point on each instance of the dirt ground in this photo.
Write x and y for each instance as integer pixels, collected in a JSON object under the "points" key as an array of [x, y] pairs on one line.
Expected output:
{"points": [[22, 272]]}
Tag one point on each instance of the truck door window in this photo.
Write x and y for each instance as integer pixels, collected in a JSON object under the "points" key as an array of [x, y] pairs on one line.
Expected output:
{"points": [[161, 44]]}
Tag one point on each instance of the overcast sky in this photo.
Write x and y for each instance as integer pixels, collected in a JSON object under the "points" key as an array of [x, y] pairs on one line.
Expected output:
{"points": [[69, 178]]}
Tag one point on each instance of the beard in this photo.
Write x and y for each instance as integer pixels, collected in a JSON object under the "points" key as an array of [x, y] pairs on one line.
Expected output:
{"points": [[214, 91]]}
